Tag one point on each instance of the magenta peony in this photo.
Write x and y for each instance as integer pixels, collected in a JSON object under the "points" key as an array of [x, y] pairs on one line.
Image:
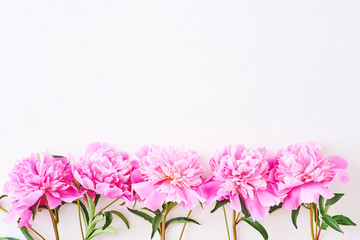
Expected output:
{"points": [[105, 171], [168, 175], [238, 172], [34, 177], [302, 173]]}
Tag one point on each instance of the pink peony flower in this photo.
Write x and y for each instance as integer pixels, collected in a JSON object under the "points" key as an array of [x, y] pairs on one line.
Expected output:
{"points": [[105, 171], [168, 175], [34, 177], [238, 172], [302, 173]]}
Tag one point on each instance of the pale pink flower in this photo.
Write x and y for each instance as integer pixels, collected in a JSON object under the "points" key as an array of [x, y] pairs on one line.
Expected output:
{"points": [[105, 171], [168, 175], [34, 177], [302, 173], [239, 172]]}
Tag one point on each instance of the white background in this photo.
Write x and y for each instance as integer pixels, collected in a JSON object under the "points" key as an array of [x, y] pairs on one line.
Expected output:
{"points": [[194, 74]]}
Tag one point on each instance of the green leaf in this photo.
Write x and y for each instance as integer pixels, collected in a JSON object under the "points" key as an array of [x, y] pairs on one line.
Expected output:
{"points": [[57, 156], [333, 200], [155, 224], [258, 227], [108, 220], [99, 231], [97, 197], [3, 196], [154, 212], [93, 223], [243, 208], [141, 214], [171, 205], [219, 204], [26, 233], [294, 215], [332, 223], [8, 238], [343, 220], [120, 215], [324, 225], [180, 220], [275, 207], [85, 214], [321, 205], [91, 206]]}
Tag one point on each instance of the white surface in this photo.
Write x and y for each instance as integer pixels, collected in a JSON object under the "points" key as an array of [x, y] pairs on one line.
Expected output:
{"points": [[197, 74]]}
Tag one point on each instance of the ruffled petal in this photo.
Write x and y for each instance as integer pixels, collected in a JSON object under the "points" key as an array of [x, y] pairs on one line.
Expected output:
{"points": [[256, 210], [192, 199], [292, 200], [155, 200], [209, 191], [309, 193], [235, 202]]}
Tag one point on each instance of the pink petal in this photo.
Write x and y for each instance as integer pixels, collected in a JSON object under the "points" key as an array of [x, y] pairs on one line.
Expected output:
{"points": [[25, 217], [339, 168], [53, 201], [268, 197], [309, 193], [143, 189], [192, 199], [209, 191], [235, 202], [155, 200], [256, 210], [292, 200], [92, 147]]}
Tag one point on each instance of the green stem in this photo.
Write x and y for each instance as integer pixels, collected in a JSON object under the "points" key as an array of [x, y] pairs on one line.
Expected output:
{"points": [[52, 219], [312, 221], [3, 209], [234, 225], [226, 222], [82, 233], [182, 231], [163, 222]]}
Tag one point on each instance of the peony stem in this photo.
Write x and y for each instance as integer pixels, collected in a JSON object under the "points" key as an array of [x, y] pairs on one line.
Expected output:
{"points": [[234, 225], [108, 206], [163, 222], [82, 233], [37, 233], [3, 209], [52, 219], [316, 221], [312, 221], [226, 222], [182, 231]]}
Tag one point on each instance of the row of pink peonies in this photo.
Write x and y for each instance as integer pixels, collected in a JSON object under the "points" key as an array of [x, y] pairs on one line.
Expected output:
{"points": [[297, 174]]}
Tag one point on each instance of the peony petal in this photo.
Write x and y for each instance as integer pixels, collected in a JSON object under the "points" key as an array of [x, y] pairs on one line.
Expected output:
{"points": [[155, 200], [339, 168], [256, 210], [292, 200], [53, 201], [268, 197], [25, 217], [192, 199], [209, 191], [144, 189], [309, 193], [235, 202]]}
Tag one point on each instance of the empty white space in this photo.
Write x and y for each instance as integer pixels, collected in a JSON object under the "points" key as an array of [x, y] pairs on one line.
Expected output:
{"points": [[193, 74]]}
